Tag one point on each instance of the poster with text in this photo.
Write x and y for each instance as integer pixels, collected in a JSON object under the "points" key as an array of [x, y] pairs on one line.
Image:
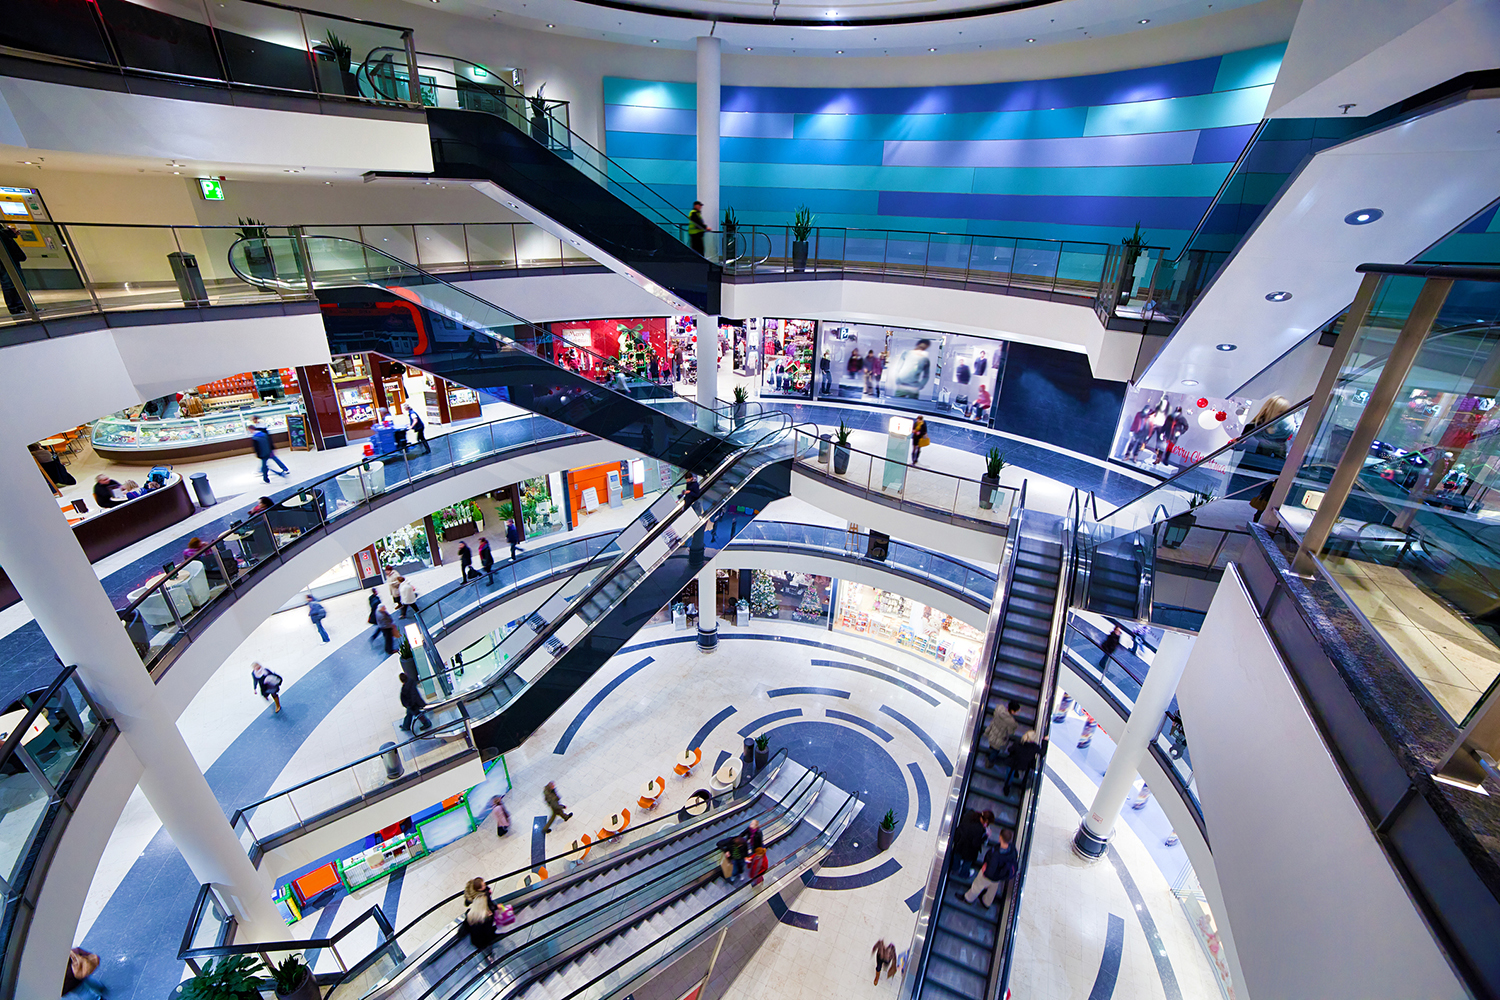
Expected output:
{"points": [[1165, 432]]}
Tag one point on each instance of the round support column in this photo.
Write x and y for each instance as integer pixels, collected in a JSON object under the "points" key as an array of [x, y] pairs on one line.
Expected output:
{"points": [[1146, 714], [708, 609], [53, 576]]}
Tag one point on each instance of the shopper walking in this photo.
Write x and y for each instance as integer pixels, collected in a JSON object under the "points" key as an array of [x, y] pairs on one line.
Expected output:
{"points": [[885, 958], [1108, 646], [696, 228], [387, 626], [825, 365], [512, 538], [486, 560], [1001, 728], [374, 604], [412, 701], [918, 439], [13, 301], [417, 426], [465, 563], [266, 452], [266, 683], [554, 803], [500, 815], [317, 613], [999, 867], [677, 363], [78, 981], [408, 598]]}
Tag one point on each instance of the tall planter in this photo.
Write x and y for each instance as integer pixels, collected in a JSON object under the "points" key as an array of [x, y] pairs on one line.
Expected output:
{"points": [[988, 487], [840, 459], [799, 255], [307, 989]]}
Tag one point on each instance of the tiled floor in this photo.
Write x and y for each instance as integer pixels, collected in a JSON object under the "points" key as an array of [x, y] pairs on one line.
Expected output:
{"points": [[1456, 661]]}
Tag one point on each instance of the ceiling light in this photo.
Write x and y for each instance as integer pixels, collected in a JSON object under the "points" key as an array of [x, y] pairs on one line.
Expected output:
{"points": [[551, 25], [1363, 216], [655, 42], [1145, 20], [1189, 381], [749, 49], [839, 52], [177, 173], [932, 50], [1225, 347], [1274, 297], [1029, 40]]}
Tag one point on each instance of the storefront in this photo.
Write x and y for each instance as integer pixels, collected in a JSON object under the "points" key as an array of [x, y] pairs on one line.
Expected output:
{"points": [[787, 356], [597, 488], [800, 597], [597, 348], [948, 374], [206, 421], [899, 621], [1165, 432]]}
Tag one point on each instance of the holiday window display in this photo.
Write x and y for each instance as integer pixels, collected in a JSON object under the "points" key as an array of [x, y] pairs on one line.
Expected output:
{"points": [[787, 356], [763, 603], [1162, 432], [600, 348], [891, 618]]}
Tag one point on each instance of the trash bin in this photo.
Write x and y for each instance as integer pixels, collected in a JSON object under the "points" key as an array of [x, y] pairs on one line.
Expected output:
{"points": [[825, 447], [189, 278], [392, 758], [203, 491]]}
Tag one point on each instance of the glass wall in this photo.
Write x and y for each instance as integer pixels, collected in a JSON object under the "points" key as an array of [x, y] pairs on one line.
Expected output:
{"points": [[947, 374]]}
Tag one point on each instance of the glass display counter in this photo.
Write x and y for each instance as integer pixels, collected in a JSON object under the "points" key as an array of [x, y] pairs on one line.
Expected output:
{"points": [[120, 438]]}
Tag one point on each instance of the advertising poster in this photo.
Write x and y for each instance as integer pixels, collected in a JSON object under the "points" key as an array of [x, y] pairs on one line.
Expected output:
{"points": [[1164, 432]]}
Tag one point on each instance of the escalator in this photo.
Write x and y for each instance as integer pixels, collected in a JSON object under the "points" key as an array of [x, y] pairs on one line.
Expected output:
{"points": [[745, 462], [964, 945], [486, 130], [604, 904]]}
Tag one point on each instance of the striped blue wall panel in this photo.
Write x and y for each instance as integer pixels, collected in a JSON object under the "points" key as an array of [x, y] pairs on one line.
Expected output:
{"points": [[1081, 158]]}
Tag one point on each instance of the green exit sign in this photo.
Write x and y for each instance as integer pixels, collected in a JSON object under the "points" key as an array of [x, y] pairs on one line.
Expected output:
{"points": [[213, 190]]}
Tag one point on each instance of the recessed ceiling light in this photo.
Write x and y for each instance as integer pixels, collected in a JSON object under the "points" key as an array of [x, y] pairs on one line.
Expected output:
{"points": [[839, 52], [1363, 216], [932, 50], [749, 49], [551, 25], [1278, 296], [1189, 381], [654, 41], [328, 182], [1225, 347], [1030, 40], [177, 173], [1145, 20]]}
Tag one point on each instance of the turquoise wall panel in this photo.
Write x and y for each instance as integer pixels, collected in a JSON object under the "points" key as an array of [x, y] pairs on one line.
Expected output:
{"points": [[1250, 68], [799, 151], [1184, 180], [847, 177], [1051, 124], [1179, 114], [649, 93]]}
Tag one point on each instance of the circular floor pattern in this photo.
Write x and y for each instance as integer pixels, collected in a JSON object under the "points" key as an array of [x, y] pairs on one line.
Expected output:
{"points": [[855, 763]]}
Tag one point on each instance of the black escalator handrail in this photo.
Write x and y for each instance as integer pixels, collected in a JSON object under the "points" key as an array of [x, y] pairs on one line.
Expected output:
{"points": [[556, 953], [740, 897], [559, 883], [546, 633]]}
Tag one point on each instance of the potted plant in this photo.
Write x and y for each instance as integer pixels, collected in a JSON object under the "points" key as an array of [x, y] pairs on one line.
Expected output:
{"points": [[886, 835], [841, 450], [741, 399], [802, 224], [257, 251], [230, 978], [293, 980], [989, 483], [731, 227], [539, 130], [344, 56], [1178, 527], [1128, 256], [762, 751], [408, 661]]}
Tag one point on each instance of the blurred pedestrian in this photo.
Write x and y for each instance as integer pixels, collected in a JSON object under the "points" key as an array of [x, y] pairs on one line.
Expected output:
{"points": [[260, 438], [418, 427], [317, 613], [78, 981], [486, 559], [500, 815], [999, 867], [554, 803], [267, 683], [412, 701], [465, 563], [479, 913], [387, 625], [512, 538], [408, 598]]}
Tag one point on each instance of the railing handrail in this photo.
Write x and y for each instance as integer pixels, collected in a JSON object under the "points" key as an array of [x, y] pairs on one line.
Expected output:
{"points": [[37, 707], [935, 232], [375, 912]]}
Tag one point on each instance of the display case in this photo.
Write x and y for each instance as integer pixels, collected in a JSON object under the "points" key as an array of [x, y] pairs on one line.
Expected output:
{"points": [[381, 859], [124, 439], [463, 404]]}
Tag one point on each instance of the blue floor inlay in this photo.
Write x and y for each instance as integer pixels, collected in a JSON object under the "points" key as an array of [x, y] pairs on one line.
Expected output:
{"points": [[914, 900], [921, 734], [765, 720], [1109, 963], [393, 895], [1154, 942], [924, 798], [784, 692], [597, 700], [855, 720], [787, 915], [857, 668], [879, 873], [723, 756], [708, 727]]}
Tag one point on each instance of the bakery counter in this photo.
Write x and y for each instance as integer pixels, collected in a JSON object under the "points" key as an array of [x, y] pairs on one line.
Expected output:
{"points": [[178, 439]]}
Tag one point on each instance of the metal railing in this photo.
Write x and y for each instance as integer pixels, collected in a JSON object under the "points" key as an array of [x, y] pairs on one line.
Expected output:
{"points": [[249, 45], [52, 745]]}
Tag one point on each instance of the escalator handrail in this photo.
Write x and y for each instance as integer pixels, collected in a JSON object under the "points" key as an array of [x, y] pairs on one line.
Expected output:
{"points": [[604, 578], [740, 897], [546, 887], [560, 953]]}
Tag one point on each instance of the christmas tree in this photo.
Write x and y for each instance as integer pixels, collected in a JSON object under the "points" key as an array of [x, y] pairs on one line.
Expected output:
{"points": [[811, 608], [763, 595]]}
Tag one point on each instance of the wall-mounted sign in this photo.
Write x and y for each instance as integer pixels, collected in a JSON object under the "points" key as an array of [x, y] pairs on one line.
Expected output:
{"points": [[211, 188]]}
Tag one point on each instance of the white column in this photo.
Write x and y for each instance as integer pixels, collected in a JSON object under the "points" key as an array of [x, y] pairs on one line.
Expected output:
{"points": [[55, 579], [709, 50], [708, 608], [1145, 720]]}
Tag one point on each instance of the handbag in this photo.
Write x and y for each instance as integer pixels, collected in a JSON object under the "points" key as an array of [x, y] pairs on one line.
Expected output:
{"points": [[504, 916], [726, 865], [923, 441]]}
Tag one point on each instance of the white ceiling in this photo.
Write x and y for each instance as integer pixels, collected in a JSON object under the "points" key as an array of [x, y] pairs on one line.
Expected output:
{"points": [[1428, 176], [848, 27]]}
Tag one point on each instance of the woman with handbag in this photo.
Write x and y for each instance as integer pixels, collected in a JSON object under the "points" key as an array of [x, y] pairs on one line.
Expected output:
{"points": [[918, 438], [479, 915]]}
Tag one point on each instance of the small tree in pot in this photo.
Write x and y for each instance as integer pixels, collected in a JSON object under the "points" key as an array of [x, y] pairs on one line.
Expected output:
{"points": [[741, 400], [293, 980], [989, 483], [731, 228], [1132, 250], [408, 660], [231, 978], [344, 56], [539, 130], [841, 450], [762, 751], [886, 835], [802, 224], [257, 250]]}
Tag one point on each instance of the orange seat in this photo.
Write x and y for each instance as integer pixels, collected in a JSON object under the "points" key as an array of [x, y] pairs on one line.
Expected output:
{"points": [[646, 803], [541, 872], [683, 770]]}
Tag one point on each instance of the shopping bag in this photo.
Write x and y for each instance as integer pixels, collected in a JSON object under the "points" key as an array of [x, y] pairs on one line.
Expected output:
{"points": [[726, 865], [504, 916]]}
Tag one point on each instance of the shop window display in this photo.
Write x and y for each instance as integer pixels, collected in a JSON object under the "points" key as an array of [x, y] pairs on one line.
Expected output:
{"points": [[787, 361], [540, 512], [945, 374], [405, 547], [600, 348], [902, 622]]}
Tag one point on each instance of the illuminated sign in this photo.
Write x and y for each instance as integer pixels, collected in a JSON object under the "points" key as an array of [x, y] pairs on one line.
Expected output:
{"points": [[211, 188]]}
